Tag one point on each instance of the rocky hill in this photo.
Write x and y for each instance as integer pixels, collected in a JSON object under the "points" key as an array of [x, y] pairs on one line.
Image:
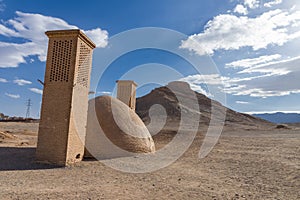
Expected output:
{"points": [[167, 97]]}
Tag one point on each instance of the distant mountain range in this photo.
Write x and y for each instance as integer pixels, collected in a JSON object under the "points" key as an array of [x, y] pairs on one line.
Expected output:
{"points": [[280, 117]]}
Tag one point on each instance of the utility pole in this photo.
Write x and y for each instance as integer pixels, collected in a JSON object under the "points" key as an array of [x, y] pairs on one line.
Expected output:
{"points": [[28, 105]]}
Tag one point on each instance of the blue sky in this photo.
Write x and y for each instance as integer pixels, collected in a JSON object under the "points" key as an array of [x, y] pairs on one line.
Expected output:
{"points": [[253, 43]]}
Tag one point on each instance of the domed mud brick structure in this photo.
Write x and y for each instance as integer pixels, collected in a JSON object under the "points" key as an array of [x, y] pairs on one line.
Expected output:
{"points": [[65, 98], [115, 130]]}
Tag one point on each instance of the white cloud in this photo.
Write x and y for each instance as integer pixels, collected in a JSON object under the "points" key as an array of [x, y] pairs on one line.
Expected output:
{"points": [[208, 79], [284, 66], [22, 82], [198, 82], [261, 92], [250, 62], [104, 92], [14, 96], [3, 80], [280, 78], [199, 89], [98, 36], [263, 76], [251, 3], [272, 3], [240, 9], [12, 54], [293, 8], [242, 102], [230, 32], [31, 27], [36, 90], [274, 78], [255, 86]]}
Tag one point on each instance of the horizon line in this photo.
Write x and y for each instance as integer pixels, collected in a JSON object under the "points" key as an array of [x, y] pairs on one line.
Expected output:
{"points": [[272, 112]]}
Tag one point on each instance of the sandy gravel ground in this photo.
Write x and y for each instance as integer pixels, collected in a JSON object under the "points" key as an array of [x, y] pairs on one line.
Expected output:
{"points": [[245, 164]]}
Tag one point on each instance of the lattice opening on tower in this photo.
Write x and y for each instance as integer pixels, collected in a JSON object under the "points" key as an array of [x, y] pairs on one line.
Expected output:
{"points": [[61, 60]]}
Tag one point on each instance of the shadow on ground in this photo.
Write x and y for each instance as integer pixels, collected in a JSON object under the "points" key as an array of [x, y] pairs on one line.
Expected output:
{"points": [[12, 158]]}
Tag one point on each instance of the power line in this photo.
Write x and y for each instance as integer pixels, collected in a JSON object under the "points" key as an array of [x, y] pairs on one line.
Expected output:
{"points": [[28, 105]]}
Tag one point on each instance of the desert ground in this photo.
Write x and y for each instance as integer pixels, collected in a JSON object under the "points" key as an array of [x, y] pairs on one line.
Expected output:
{"points": [[245, 164]]}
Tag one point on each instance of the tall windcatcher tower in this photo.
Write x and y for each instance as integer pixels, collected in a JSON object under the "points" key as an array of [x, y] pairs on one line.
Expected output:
{"points": [[126, 92], [63, 121]]}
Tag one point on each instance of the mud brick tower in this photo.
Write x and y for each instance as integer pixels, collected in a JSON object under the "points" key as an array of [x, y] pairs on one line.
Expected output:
{"points": [[127, 92], [63, 121]]}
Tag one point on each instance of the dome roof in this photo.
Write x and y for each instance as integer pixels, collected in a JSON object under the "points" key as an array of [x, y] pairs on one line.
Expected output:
{"points": [[113, 129]]}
